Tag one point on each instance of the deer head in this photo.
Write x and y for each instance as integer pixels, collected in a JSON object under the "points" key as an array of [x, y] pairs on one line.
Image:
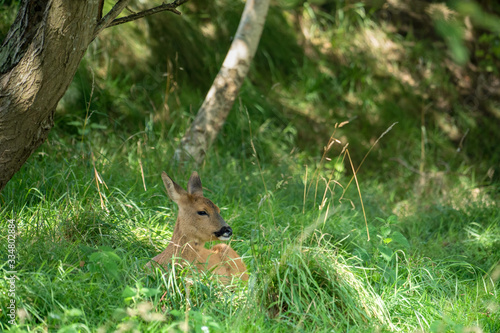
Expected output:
{"points": [[199, 219]]}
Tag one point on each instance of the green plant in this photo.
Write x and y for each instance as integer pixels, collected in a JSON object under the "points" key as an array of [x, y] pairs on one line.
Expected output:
{"points": [[90, 209]]}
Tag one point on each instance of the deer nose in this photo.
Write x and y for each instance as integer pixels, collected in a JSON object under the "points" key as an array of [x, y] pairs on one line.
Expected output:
{"points": [[224, 233]]}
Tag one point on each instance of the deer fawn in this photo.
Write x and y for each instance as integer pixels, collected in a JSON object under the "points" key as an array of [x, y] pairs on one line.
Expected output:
{"points": [[199, 221]]}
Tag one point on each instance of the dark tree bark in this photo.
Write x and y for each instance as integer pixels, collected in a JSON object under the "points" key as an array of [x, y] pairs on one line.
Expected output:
{"points": [[38, 60]]}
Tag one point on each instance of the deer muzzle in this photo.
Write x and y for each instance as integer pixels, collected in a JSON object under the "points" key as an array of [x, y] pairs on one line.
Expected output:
{"points": [[224, 233]]}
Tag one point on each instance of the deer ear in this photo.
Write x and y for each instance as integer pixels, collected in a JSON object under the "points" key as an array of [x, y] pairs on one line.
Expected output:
{"points": [[194, 185], [175, 192]]}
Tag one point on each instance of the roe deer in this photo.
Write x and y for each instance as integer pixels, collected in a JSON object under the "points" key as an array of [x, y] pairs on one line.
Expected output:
{"points": [[199, 221]]}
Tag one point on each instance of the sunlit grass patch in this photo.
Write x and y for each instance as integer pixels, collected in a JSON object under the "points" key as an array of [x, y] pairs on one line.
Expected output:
{"points": [[311, 269], [309, 287]]}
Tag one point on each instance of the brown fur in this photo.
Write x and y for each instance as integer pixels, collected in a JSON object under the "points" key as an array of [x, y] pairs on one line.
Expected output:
{"points": [[192, 230]]}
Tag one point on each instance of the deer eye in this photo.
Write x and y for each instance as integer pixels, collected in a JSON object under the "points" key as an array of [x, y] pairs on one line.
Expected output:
{"points": [[202, 213]]}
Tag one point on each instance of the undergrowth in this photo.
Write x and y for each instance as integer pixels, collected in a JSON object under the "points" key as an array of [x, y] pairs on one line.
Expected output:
{"points": [[409, 244], [89, 223]]}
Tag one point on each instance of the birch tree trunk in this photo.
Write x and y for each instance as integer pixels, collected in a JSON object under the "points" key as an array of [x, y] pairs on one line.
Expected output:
{"points": [[227, 83], [38, 60]]}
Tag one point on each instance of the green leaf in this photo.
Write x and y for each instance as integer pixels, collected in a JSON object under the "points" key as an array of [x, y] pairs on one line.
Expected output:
{"points": [[105, 261], [149, 292], [385, 252], [389, 275], [385, 231], [400, 239], [129, 292], [393, 219], [75, 123], [362, 254]]}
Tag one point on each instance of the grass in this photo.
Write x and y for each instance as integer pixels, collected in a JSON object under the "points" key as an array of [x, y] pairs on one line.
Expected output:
{"points": [[90, 207], [81, 248]]}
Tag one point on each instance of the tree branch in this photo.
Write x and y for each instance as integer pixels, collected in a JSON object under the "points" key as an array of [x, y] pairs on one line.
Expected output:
{"points": [[110, 16], [171, 7], [99, 10]]}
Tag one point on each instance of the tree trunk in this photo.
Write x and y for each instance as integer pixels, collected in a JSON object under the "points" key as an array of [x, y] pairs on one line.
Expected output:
{"points": [[222, 94], [38, 60]]}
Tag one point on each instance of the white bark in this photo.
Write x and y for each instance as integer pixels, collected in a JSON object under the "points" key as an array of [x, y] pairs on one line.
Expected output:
{"points": [[221, 96]]}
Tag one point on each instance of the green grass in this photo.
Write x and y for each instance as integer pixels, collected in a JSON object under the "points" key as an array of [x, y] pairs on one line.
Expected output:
{"points": [[81, 249], [91, 210]]}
